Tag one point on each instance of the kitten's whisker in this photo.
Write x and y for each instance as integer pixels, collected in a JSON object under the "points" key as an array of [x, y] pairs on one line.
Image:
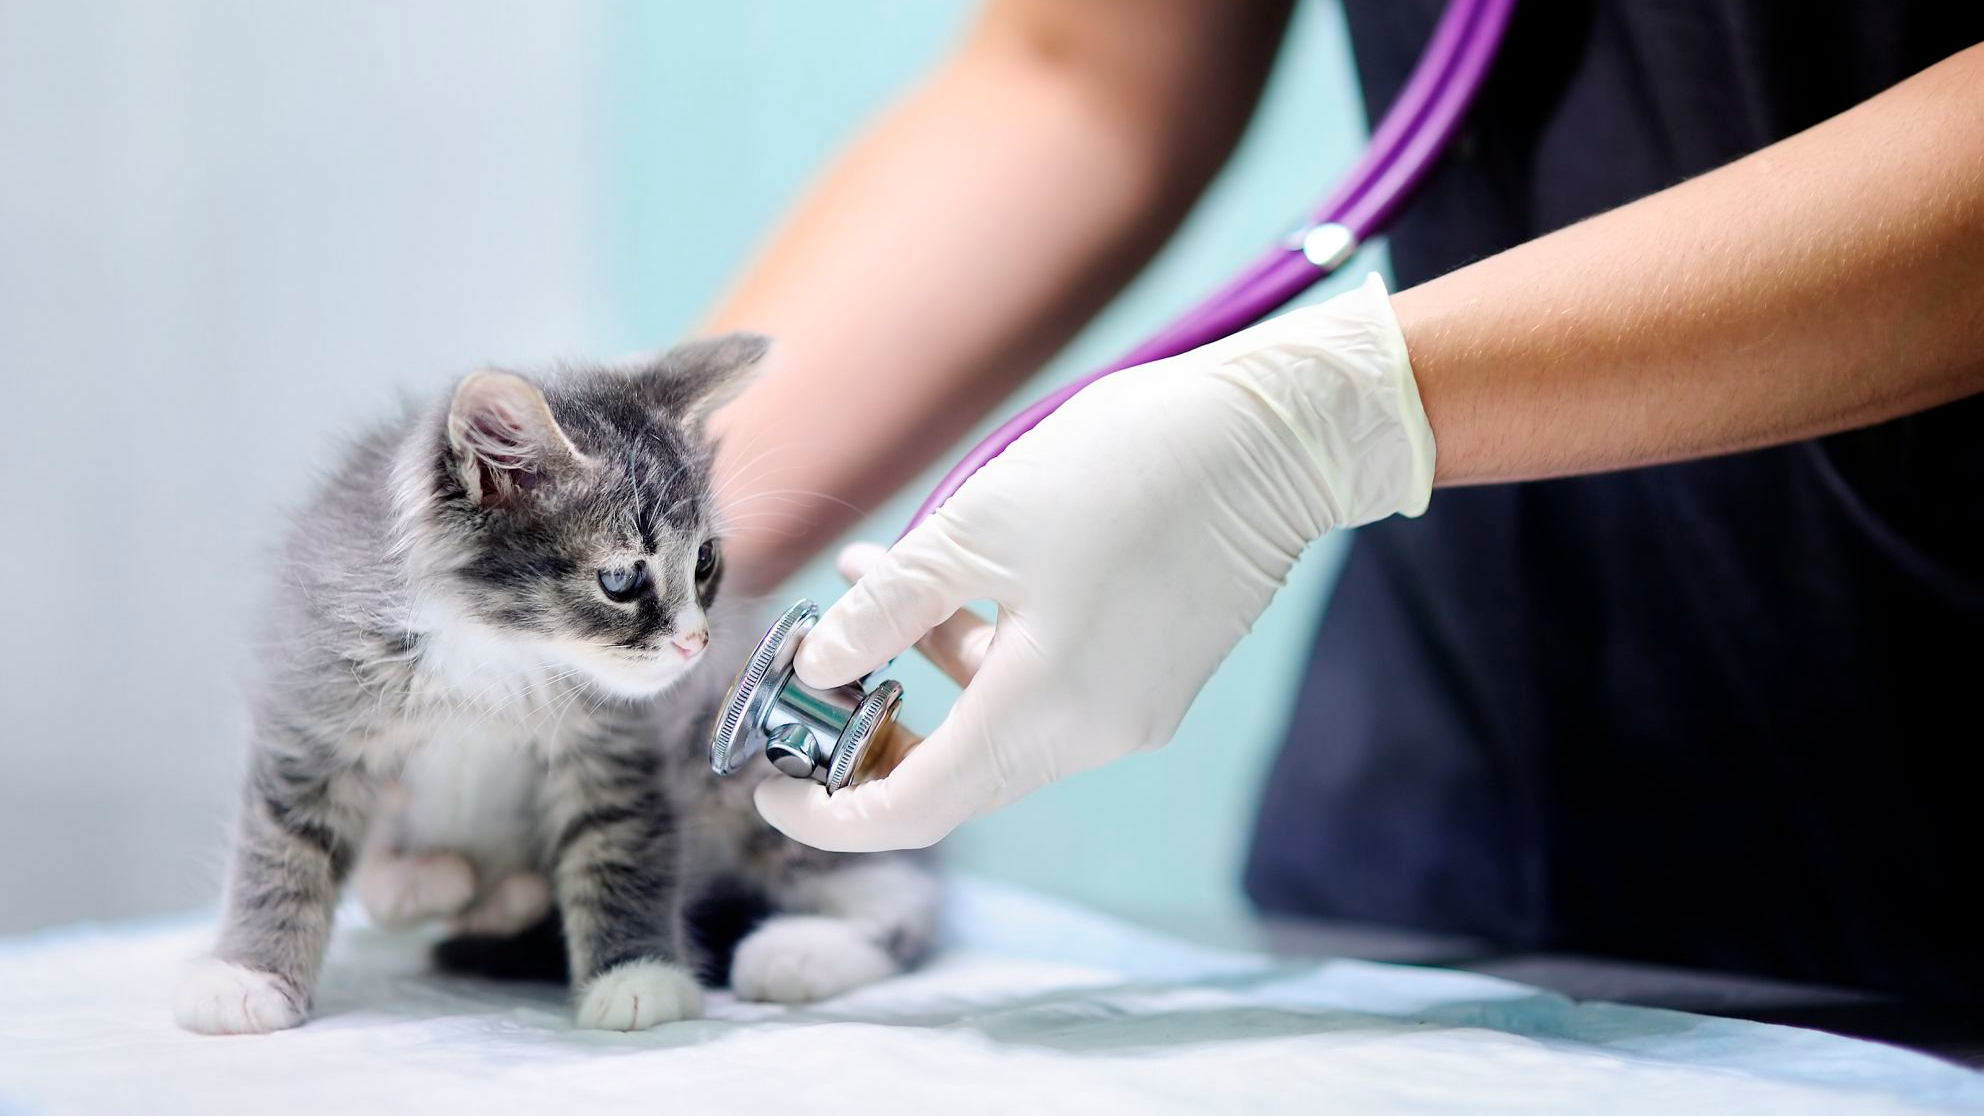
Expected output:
{"points": [[760, 517], [565, 706], [532, 683], [460, 703], [755, 458], [752, 436], [809, 494], [748, 474], [774, 533], [531, 686], [755, 499]]}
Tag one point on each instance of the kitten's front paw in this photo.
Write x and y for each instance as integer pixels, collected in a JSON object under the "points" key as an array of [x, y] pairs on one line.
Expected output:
{"points": [[216, 998], [397, 890], [639, 995], [794, 960]]}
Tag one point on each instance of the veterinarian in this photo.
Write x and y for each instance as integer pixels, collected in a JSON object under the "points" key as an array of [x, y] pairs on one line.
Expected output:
{"points": [[1681, 661]]}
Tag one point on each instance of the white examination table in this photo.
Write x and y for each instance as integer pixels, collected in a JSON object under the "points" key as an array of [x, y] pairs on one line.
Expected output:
{"points": [[1035, 1006]]}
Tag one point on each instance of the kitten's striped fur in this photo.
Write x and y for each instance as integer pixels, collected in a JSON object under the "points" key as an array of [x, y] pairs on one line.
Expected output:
{"points": [[450, 696]]}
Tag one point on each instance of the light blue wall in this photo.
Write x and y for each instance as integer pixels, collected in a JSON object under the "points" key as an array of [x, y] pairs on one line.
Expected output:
{"points": [[719, 115], [232, 231]]}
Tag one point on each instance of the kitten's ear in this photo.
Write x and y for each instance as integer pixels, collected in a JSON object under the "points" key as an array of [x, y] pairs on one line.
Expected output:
{"points": [[694, 380], [506, 444]]}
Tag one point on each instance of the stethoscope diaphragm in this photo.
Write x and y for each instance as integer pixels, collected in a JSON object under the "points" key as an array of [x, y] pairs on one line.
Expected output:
{"points": [[820, 734]]}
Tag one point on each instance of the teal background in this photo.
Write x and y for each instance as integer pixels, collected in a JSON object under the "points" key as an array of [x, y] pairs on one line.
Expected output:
{"points": [[232, 233], [721, 113]]}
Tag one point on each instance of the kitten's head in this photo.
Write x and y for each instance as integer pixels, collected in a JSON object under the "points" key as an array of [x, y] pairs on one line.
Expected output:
{"points": [[577, 517]]}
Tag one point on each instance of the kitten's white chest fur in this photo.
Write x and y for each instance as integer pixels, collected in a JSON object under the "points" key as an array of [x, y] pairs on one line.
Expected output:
{"points": [[489, 711], [470, 788], [458, 834]]}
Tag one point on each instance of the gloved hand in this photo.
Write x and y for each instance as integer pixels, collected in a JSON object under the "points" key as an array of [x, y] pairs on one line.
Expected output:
{"points": [[1129, 541]]}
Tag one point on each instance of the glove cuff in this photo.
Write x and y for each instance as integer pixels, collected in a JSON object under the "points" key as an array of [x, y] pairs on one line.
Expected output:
{"points": [[1339, 376]]}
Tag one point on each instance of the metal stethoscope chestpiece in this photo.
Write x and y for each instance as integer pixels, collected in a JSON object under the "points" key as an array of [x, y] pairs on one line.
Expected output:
{"points": [[822, 735]]}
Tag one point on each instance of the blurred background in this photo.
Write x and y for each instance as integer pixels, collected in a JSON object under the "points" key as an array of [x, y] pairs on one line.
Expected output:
{"points": [[232, 231]]}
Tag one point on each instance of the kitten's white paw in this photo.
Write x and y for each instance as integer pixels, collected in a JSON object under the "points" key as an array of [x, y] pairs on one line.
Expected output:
{"points": [[796, 959], [639, 995], [397, 890], [216, 998], [514, 905]]}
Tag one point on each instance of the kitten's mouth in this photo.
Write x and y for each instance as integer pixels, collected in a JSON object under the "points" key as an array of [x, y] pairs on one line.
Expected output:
{"points": [[637, 677]]}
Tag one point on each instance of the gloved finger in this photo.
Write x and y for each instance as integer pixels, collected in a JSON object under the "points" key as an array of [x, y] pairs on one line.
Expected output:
{"points": [[957, 646], [856, 559], [951, 777], [914, 807], [911, 589]]}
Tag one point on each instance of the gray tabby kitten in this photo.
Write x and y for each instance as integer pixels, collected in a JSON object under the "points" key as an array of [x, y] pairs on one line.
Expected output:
{"points": [[495, 654]]}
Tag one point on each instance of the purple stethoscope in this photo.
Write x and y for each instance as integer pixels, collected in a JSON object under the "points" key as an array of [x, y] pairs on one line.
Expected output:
{"points": [[849, 733]]}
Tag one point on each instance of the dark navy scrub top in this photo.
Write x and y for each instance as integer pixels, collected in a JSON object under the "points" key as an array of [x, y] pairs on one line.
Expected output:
{"points": [[1723, 714]]}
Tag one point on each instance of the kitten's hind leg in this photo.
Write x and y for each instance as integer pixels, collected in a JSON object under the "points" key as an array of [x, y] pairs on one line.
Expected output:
{"points": [[302, 819], [614, 874], [399, 889], [516, 903], [862, 920], [725, 910]]}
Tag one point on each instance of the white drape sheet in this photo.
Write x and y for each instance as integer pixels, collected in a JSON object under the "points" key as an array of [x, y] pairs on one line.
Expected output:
{"points": [[1034, 1006]]}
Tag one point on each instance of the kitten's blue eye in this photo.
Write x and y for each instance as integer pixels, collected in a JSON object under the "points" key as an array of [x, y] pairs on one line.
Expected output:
{"points": [[624, 583]]}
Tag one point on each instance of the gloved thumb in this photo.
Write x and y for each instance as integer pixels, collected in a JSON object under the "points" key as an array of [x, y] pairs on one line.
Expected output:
{"points": [[903, 594], [957, 646], [932, 791]]}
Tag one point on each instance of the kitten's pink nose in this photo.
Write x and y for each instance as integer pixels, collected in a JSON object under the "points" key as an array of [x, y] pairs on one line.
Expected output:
{"points": [[691, 644]]}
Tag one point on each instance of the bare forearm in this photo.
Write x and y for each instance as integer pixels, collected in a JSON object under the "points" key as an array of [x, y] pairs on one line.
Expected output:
{"points": [[1830, 281], [958, 246]]}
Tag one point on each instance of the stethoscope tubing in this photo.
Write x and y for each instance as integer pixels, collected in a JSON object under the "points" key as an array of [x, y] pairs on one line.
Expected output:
{"points": [[1420, 125]]}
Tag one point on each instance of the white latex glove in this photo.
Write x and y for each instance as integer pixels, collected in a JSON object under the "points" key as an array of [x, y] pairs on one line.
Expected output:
{"points": [[1129, 541]]}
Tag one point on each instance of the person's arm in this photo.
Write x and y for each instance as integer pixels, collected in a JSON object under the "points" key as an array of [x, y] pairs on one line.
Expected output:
{"points": [[964, 240], [1827, 282], [1832, 280]]}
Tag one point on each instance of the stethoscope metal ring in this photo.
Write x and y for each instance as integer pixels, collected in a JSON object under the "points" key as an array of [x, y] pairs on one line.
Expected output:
{"points": [[875, 710], [805, 733]]}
